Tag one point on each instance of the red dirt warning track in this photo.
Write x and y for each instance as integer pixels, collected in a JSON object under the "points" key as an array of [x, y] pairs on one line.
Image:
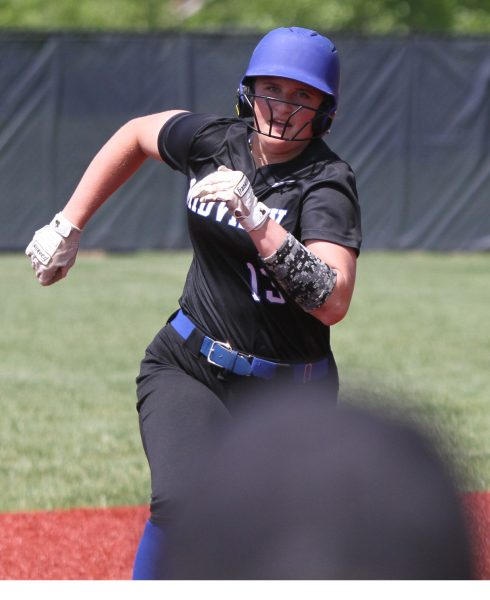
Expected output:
{"points": [[100, 544]]}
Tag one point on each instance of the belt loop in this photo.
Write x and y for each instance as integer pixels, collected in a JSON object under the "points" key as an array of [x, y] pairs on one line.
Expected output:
{"points": [[307, 373]]}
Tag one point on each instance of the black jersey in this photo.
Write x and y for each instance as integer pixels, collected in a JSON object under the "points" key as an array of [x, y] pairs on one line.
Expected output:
{"points": [[228, 292]]}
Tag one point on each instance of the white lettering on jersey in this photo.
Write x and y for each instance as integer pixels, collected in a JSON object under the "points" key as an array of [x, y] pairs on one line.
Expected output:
{"points": [[192, 183], [259, 291], [221, 211], [204, 209], [192, 204], [278, 214]]}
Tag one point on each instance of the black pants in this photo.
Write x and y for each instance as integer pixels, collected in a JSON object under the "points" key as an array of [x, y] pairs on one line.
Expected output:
{"points": [[184, 403]]}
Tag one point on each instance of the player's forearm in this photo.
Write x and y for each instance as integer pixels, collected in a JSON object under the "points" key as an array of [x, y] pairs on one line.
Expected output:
{"points": [[327, 295], [268, 238], [117, 160]]}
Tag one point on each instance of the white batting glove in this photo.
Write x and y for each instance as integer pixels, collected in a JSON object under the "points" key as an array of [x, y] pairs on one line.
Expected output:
{"points": [[232, 187], [53, 249]]}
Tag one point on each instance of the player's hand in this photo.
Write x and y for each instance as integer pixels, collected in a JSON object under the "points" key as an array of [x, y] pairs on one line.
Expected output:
{"points": [[232, 187], [53, 249]]}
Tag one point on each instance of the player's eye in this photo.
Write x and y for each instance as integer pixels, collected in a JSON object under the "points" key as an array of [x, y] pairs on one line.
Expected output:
{"points": [[272, 89], [303, 94]]}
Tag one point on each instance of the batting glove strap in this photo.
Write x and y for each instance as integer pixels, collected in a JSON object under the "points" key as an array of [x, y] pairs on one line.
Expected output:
{"points": [[256, 217], [62, 225], [53, 249]]}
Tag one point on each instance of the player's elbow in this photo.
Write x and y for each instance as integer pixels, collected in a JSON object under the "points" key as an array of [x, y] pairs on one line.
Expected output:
{"points": [[333, 310], [328, 315]]}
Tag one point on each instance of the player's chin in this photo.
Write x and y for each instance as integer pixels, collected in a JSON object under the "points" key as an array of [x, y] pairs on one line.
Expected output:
{"points": [[275, 135], [281, 130]]}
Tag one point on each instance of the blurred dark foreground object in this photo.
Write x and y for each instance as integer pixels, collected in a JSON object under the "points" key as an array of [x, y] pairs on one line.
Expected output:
{"points": [[303, 491]]}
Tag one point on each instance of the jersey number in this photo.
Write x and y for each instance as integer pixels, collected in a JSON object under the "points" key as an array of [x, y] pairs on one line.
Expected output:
{"points": [[270, 295]]}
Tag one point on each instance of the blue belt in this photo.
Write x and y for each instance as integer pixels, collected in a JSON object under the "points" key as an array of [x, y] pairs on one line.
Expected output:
{"points": [[222, 355]]}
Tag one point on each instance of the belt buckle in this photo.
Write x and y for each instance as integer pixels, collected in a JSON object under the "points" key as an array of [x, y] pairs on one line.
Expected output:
{"points": [[215, 343], [235, 354]]}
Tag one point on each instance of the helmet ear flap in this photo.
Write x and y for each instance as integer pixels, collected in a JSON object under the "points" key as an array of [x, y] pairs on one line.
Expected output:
{"points": [[244, 107], [323, 121]]}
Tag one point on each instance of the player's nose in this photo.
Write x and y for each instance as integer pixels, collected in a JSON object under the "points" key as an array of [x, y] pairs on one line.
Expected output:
{"points": [[283, 110]]}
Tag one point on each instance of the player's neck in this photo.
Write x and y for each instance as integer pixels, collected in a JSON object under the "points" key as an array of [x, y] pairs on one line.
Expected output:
{"points": [[268, 151]]}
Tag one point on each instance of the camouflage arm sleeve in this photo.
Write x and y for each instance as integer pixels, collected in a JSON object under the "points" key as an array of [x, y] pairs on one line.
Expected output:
{"points": [[301, 274]]}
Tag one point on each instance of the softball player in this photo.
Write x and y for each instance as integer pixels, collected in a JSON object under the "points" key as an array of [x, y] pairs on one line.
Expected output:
{"points": [[274, 222]]}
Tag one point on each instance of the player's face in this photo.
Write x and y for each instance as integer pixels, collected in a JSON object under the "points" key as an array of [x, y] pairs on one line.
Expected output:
{"points": [[286, 107]]}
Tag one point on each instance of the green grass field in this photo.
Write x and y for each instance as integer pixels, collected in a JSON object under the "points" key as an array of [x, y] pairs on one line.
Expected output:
{"points": [[415, 341]]}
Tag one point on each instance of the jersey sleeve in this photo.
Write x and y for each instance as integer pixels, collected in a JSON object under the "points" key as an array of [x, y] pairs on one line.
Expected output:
{"points": [[331, 209], [177, 136]]}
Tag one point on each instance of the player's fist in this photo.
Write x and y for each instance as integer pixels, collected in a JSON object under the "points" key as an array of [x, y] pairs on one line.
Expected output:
{"points": [[53, 249], [232, 187]]}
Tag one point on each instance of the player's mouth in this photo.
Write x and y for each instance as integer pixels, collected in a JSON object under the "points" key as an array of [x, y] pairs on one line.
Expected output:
{"points": [[282, 125]]}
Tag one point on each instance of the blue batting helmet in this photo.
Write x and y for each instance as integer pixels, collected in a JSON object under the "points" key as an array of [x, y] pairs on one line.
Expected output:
{"points": [[300, 54]]}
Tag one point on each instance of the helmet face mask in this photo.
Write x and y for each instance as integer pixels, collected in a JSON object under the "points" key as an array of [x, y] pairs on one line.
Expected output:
{"points": [[297, 54], [320, 120]]}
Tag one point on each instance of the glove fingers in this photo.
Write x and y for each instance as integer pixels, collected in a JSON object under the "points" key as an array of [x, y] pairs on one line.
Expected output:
{"points": [[212, 183], [215, 192], [47, 277], [44, 277], [211, 198], [59, 274]]}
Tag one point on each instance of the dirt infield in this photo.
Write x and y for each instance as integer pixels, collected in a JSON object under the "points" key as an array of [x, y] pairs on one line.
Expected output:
{"points": [[99, 544], [478, 510], [70, 544]]}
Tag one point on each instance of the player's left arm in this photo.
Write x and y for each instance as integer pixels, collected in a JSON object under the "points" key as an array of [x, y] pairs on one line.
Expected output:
{"points": [[319, 275], [343, 261]]}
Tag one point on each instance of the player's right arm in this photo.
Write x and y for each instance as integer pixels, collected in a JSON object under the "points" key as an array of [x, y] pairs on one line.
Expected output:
{"points": [[53, 248]]}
